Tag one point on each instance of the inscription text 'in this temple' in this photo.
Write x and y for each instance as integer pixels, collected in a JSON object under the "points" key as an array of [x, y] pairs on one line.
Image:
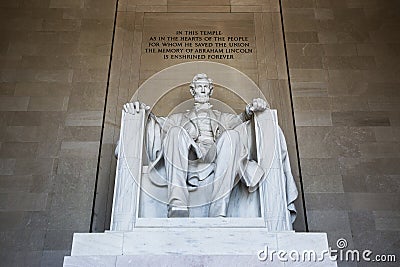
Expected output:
{"points": [[199, 45]]}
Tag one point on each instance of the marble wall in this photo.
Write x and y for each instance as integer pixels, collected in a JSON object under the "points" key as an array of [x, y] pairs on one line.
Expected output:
{"points": [[343, 59], [54, 61]]}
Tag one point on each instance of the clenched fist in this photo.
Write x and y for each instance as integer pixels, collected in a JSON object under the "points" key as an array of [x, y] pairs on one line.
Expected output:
{"points": [[257, 104]]}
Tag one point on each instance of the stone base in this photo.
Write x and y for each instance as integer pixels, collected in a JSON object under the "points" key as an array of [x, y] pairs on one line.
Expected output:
{"points": [[197, 247]]}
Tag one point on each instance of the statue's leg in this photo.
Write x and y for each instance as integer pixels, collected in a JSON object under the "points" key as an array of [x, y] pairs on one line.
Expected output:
{"points": [[229, 151], [176, 147]]}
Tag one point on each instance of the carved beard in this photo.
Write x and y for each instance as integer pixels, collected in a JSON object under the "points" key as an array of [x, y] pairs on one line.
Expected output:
{"points": [[201, 99]]}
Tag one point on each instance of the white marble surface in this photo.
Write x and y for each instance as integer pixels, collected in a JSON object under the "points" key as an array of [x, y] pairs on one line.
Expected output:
{"points": [[167, 260], [109, 243], [206, 241], [90, 261], [193, 260], [194, 247], [302, 243], [205, 222], [184, 261]]}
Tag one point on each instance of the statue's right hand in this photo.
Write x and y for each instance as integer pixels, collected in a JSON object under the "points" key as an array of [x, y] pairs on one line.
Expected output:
{"points": [[135, 107]]}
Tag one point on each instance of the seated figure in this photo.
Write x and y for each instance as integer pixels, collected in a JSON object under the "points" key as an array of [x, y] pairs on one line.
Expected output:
{"points": [[185, 148]]}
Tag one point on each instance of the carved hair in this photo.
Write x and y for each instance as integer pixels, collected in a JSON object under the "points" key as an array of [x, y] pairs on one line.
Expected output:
{"points": [[201, 77]]}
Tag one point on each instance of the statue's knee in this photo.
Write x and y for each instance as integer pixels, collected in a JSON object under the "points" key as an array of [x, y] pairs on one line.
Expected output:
{"points": [[177, 133]]}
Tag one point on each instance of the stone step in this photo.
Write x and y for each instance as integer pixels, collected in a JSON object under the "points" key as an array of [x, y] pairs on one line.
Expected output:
{"points": [[198, 247], [175, 260]]}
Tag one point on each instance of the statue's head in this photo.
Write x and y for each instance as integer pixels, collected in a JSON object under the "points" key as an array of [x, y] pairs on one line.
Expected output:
{"points": [[201, 88]]}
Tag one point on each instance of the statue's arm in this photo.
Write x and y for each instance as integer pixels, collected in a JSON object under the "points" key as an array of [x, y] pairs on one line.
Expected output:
{"points": [[245, 115]]}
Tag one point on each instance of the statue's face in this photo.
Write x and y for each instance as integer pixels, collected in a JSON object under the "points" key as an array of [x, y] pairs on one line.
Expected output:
{"points": [[202, 91]]}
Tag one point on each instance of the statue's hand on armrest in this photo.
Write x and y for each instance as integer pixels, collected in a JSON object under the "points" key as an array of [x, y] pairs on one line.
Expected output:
{"points": [[256, 105], [135, 107]]}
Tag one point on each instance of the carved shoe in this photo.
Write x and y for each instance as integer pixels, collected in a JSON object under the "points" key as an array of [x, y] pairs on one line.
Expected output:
{"points": [[176, 212], [218, 209]]}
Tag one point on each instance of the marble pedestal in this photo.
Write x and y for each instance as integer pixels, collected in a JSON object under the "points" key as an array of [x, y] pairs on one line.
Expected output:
{"points": [[195, 247], [258, 224]]}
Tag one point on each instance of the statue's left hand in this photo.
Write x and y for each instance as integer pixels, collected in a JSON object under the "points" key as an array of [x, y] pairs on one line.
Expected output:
{"points": [[257, 104]]}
